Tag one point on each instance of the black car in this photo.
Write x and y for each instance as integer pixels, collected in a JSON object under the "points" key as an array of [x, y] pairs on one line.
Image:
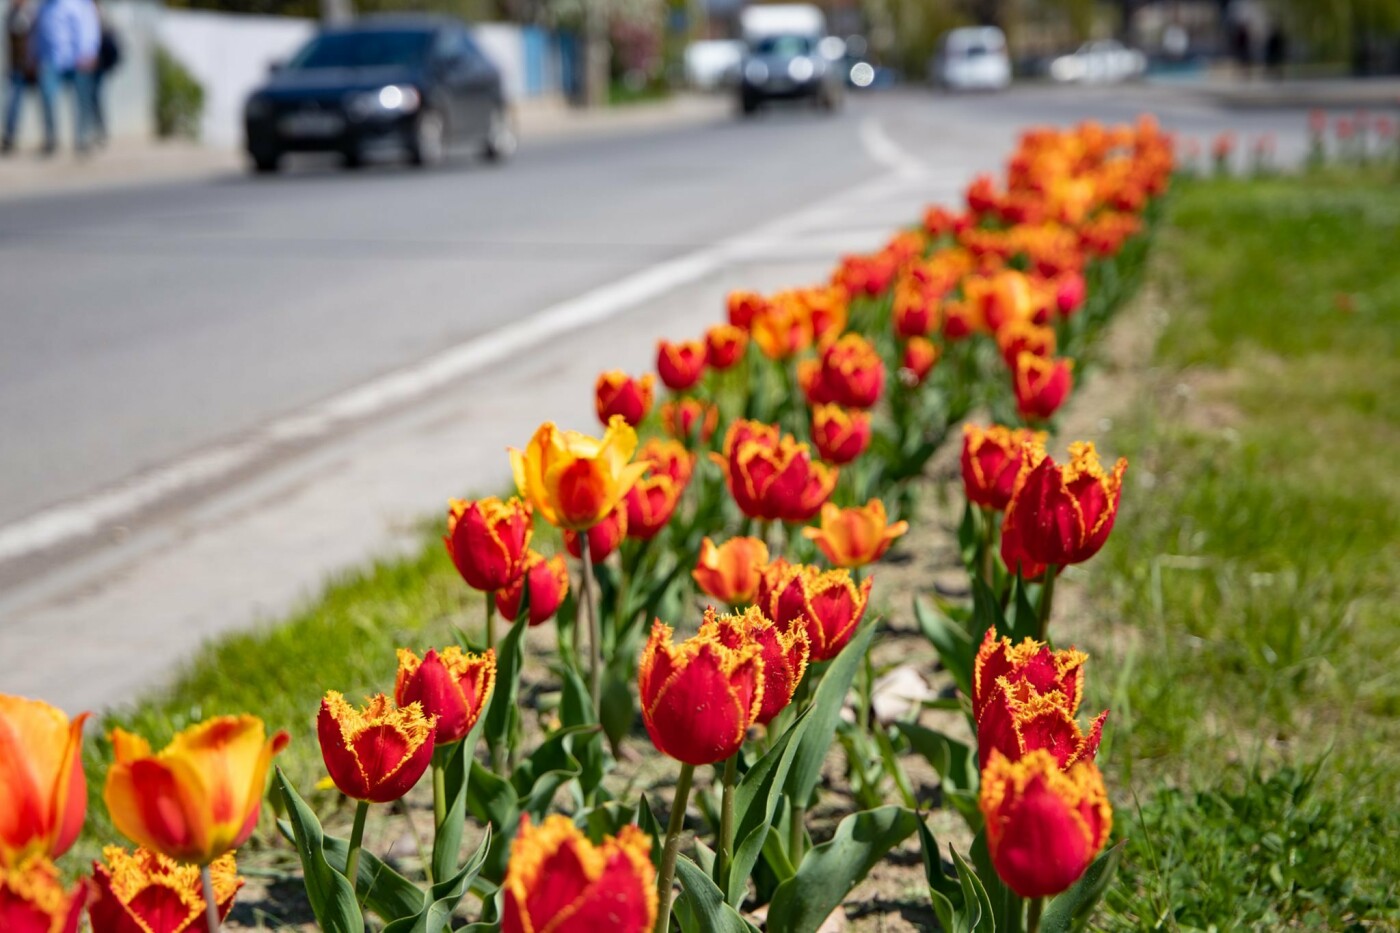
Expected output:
{"points": [[418, 86], [787, 67]]}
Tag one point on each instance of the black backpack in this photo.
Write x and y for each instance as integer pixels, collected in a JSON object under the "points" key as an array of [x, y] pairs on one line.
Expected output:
{"points": [[109, 54]]}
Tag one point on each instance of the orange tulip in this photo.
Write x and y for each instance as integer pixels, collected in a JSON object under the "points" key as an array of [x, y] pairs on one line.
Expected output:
{"points": [[145, 892], [828, 605], [784, 653], [731, 571], [1044, 825], [680, 365], [617, 393], [781, 329], [1042, 384], [574, 480], [699, 697], [197, 798], [725, 345], [549, 584], [559, 882], [920, 356], [452, 687], [487, 539], [377, 753], [32, 899], [43, 793], [857, 536]]}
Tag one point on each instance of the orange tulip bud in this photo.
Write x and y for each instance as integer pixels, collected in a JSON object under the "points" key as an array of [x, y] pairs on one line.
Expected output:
{"points": [[574, 480], [377, 753], [32, 899], [617, 393], [1062, 514], [690, 420], [781, 329], [827, 604], [840, 435], [487, 540], [991, 460], [852, 372], [549, 584], [920, 356], [680, 365], [197, 798], [1044, 825], [603, 538], [731, 571], [557, 881], [43, 793], [1041, 384], [784, 653], [699, 697], [856, 536], [725, 345], [145, 892], [452, 687]]}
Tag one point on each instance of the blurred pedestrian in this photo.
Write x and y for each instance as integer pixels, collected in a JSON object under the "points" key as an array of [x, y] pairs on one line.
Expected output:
{"points": [[19, 67], [109, 56], [64, 43]]}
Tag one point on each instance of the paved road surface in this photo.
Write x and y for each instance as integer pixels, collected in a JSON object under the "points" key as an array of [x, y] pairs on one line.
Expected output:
{"points": [[214, 393]]}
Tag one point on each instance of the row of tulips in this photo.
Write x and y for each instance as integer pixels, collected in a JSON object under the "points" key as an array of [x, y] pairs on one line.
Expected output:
{"points": [[831, 401]]}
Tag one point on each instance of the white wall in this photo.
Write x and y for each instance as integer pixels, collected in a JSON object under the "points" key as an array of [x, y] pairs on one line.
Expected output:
{"points": [[229, 55]]}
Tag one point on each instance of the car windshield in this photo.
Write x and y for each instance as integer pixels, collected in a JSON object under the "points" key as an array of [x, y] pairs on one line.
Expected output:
{"points": [[363, 49], [783, 46]]}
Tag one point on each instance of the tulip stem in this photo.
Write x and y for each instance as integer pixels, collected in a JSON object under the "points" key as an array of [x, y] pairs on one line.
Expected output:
{"points": [[989, 537], [1033, 911], [797, 832], [439, 766], [491, 618], [666, 879], [357, 835], [595, 670], [725, 853], [1047, 597], [211, 906]]}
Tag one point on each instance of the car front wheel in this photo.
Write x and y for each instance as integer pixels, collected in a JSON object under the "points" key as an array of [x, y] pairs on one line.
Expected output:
{"points": [[429, 139]]}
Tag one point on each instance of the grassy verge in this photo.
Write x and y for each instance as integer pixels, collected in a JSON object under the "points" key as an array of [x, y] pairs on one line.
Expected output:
{"points": [[1250, 592]]}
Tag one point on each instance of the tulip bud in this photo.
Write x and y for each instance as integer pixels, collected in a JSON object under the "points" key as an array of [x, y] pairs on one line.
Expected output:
{"points": [[840, 435], [452, 687], [603, 538], [784, 653], [855, 537], [731, 571], [377, 753], [487, 540], [725, 345], [699, 697], [32, 899], [1069, 292], [43, 791], [617, 393], [145, 892], [680, 365], [549, 584], [1041, 385], [559, 881], [920, 356]]}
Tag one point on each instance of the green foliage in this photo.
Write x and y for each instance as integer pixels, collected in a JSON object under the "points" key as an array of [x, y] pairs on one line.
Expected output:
{"points": [[179, 98]]}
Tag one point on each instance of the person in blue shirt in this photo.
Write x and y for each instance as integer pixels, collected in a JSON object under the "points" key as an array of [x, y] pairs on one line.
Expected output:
{"points": [[64, 43]]}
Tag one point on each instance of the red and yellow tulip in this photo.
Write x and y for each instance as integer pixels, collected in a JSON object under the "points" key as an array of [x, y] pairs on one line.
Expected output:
{"points": [[680, 365], [840, 435], [376, 753], [1041, 384], [43, 793], [617, 393], [784, 653], [603, 538], [1062, 514], [827, 604], [548, 581], [32, 899], [991, 461], [487, 540], [725, 345], [852, 372], [920, 356], [573, 480], [690, 420], [452, 687], [145, 892]]}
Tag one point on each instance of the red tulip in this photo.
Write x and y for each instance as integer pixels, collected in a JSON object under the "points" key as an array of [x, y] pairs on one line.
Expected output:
{"points": [[699, 697], [991, 460], [680, 365], [559, 882], [145, 892], [487, 540], [617, 393], [725, 345], [1041, 385], [453, 687], [377, 753], [784, 653], [549, 584], [32, 899], [690, 420], [852, 372], [920, 356], [827, 604], [603, 538], [840, 435], [1062, 514]]}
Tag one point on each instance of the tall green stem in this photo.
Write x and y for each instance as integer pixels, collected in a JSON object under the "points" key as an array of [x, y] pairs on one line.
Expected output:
{"points": [[666, 879], [1047, 598], [357, 835], [797, 832], [1033, 911], [439, 801], [725, 848], [989, 539], [211, 907], [595, 650], [491, 617]]}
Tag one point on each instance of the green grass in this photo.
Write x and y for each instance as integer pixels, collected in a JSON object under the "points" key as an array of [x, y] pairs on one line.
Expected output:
{"points": [[1254, 575]]}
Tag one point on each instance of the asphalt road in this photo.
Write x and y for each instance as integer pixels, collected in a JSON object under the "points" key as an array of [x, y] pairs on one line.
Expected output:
{"points": [[145, 327]]}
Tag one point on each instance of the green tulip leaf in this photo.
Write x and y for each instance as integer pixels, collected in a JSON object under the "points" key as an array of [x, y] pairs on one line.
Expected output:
{"points": [[756, 798], [1008, 909], [823, 716], [955, 647], [956, 764], [1071, 910], [961, 904], [445, 896], [701, 907], [330, 893]]}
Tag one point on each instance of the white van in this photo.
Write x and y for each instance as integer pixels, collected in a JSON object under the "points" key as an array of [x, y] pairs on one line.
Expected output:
{"points": [[972, 58]]}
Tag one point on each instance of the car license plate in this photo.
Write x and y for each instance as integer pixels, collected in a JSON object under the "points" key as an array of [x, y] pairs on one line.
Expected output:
{"points": [[312, 123]]}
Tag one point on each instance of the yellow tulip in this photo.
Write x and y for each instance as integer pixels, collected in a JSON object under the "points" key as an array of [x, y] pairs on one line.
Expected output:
{"points": [[574, 480]]}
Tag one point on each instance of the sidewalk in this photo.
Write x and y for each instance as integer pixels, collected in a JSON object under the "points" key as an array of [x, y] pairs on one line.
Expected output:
{"points": [[134, 161], [1324, 93]]}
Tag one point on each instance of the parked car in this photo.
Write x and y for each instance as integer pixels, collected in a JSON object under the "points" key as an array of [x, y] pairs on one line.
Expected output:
{"points": [[416, 86], [712, 64], [1105, 61], [972, 58], [789, 56]]}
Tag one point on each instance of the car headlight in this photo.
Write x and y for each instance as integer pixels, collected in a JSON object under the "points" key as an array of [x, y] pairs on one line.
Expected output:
{"points": [[801, 68], [755, 72], [257, 108], [391, 99]]}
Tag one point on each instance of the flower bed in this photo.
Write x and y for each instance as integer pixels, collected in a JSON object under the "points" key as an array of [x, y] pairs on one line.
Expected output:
{"points": [[775, 475]]}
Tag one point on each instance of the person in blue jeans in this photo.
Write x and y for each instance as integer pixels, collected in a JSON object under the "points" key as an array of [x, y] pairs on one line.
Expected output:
{"points": [[64, 44], [19, 68]]}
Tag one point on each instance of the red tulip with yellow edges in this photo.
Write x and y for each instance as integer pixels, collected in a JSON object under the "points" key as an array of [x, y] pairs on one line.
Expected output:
{"points": [[1020, 337], [197, 798], [827, 311], [852, 372], [452, 687], [991, 460], [487, 540], [651, 502], [779, 482], [690, 420], [1063, 514], [699, 697], [1019, 719], [377, 753], [32, 899], [839, 434], [1014, 556], [603, 538], [730, 572], [617, 393], [557, 881], [145, 892], [1041, 384], [668, 458], [856, 536], [770, 579], [809, 380], [549, 584], [1044, 826], [680, 365], [960, 320], [1031, 662], [43, 792], [741, 307], [725, 345], [781, 329], [785, 653], [573, 480], [920, 356], [827, 604], [915, 312]]}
